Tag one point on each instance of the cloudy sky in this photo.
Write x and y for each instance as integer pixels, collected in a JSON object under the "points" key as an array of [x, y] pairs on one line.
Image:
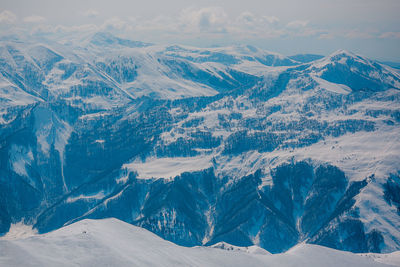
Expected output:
{"points": [[368, 27]]}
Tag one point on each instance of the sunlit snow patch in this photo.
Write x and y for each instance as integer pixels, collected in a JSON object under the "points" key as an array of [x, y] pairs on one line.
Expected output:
{"points": [[333, 87], [168, 167], [19, 231]]}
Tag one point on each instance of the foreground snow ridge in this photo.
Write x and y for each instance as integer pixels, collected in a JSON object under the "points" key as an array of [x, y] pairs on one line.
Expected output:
{"points": [[111, 242]]}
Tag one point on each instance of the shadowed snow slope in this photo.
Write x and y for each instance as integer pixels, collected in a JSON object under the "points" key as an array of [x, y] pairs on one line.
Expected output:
{"points": [[111, 242]]}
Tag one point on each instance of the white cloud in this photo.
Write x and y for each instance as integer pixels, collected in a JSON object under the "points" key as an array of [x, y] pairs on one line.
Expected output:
{"points": [[77, 28], [247, 18], [390, 35], [61, 29], [356, 34], [208, 19], [297, 24], [7, 17], [326, 36], [204, 24], [301, 28], [258, 23], [247, 25], [91, 13], [211, 22], [160, 23], [34, 19], [270, 19], [114, 23]]}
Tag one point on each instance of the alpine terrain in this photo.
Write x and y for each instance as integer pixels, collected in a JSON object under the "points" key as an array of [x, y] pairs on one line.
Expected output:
{"points": [[200, 146], [110, 242]]}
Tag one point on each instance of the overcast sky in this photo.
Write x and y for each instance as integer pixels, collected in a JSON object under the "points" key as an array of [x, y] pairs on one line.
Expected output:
{"points": [[368, 27]]}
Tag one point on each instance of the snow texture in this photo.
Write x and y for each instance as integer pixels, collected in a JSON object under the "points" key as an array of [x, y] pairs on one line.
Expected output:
{"points": [[111, 242]]}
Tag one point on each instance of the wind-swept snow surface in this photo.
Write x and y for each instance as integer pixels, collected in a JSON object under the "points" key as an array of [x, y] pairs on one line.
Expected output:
{"points": [[111, 242]]}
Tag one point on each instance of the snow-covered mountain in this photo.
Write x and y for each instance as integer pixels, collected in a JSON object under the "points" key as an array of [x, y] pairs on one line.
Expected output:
{"points": [[201, 146], [111, 242]]}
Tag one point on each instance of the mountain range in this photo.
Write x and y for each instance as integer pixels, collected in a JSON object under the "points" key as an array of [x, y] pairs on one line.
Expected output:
{"points": [[201, 145]]}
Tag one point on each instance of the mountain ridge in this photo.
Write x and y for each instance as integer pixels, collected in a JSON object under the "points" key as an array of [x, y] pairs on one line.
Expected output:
{"points": [[202, 146], [95, 242]]}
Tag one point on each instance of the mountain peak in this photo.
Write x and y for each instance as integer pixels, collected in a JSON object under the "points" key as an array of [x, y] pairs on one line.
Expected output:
{"points": [[342, 52], [354, 71], [341, 55]]}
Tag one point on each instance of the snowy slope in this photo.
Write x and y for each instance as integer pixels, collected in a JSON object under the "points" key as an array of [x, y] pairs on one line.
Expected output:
{"points": [[107, 71], [111, 242], [201, 145]]}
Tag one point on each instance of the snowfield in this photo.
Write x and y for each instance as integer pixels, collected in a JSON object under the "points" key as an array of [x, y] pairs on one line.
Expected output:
{"points": [[111, 242], [168, 167]]}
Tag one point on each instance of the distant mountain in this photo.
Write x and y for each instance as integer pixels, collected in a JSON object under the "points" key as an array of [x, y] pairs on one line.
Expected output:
{"points": [[395, 65], [107, 39], [201, 146], [113, 242], [236, 55], [305, 58]]}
